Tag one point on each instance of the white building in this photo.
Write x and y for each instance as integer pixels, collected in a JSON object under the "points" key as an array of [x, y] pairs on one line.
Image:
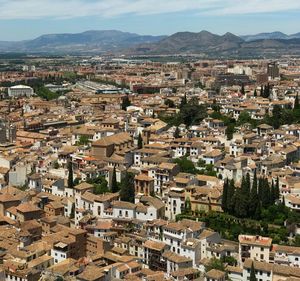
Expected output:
{"points": [[20, 91]]}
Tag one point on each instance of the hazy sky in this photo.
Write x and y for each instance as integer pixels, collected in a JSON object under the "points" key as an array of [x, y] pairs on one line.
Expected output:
{"points": [[26, 19]]}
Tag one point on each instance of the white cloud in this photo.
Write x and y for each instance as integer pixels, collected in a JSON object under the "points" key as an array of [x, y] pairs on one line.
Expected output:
{"points": [[58, 9]]}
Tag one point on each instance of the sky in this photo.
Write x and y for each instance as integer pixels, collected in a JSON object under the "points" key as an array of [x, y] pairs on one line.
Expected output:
{"points": [[27, 19]]}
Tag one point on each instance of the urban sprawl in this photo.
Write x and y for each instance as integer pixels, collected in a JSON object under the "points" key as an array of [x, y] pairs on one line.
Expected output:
{"points": [[140, 169]]}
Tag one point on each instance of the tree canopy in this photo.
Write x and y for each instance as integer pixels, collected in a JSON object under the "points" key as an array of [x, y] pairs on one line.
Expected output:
{"points": [[70, 175], [114, 183], [127, 191]]}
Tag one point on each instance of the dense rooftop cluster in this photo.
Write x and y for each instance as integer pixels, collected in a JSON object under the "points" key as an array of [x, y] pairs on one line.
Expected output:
{"points": [[135, 170]]}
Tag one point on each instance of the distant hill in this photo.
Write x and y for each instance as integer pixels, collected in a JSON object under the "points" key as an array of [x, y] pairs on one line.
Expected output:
{"points": [[269, 36], [189, 42], [212, 45], [202, 43], [89, 41]]}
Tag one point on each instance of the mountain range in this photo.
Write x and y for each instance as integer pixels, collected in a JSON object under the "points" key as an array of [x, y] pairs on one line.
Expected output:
{"points": [[271, 35], [85, 42], [202, 43]]}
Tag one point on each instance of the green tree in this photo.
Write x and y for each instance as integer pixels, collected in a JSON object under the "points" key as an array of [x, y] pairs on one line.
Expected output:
{"points": [[100, 186], [186, 165], [244, 117], [276, 118], [201, 163], [215, 263], [140, 141], [243, 90], [127, 191], [257, 214], [229, 131], [231, 197], [252, 273], [255, 93], [296, 103], [192, 113], [273, 193], [254, 200], [266, 91], [70, 175], [72, 213], [187, 206], [125, 102], [114, 183], [229, 260], [262, 91], [266, 193], [277, 190], [83, 140], [170, 103], [76, 181], [225, 195], [183, 101], [177, 133], [240, 207], [246, 186], [55, 165]]}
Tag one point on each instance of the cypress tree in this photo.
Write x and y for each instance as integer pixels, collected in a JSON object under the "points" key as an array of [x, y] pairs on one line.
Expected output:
{"points": [[125, 103], [70, 175], [252, 273], [296, 103], [225, 195], [244, 195], [277, 190], [254, 200], [177, 133], [127, 191], [183, 101], [255, 93], [72, 213], [240, 207], [283, 201], [140, 141], [266, 194], [266, 92], [260, 188], [187, 205], [254, 183], [231, 197], [247, 185], [262, 91], [114, 184], [243, 90], [273, 194], [257, 215]]}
